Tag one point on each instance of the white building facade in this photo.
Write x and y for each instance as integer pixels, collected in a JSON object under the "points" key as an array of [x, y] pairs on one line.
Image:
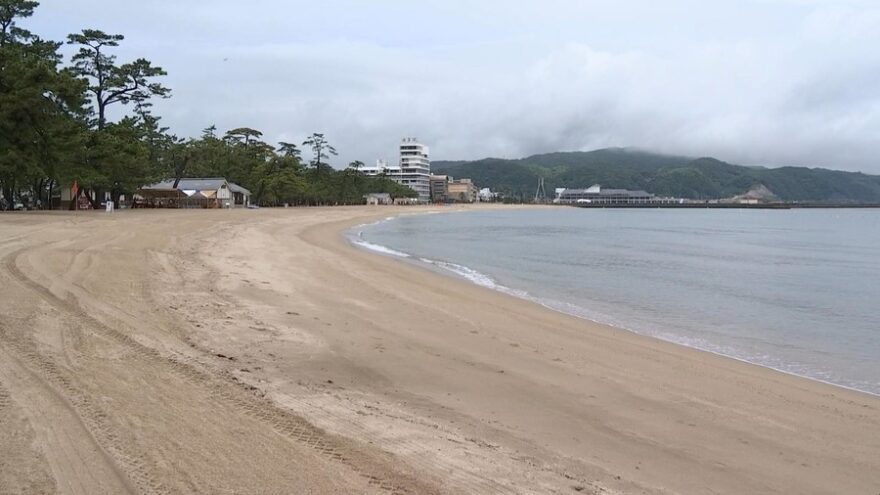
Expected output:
{"points": [[415, 167], [381, 168], [413, 170]]}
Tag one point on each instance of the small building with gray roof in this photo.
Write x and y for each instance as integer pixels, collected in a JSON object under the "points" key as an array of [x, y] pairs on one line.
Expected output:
{"points": [[209, 192]]}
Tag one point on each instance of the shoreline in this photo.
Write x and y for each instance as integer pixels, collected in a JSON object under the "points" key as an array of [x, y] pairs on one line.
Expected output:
{"points": [[762, 397], [398, 256]]}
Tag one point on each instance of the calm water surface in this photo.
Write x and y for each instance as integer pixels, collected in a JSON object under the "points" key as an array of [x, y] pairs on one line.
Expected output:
{"points": [[796, 290]]}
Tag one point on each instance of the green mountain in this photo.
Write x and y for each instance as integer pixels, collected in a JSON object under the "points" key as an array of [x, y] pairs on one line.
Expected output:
{"points": [[663, 175]]}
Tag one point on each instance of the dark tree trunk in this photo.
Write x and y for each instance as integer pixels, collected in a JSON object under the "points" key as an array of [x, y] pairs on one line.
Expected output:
{"points": [[8, 188], [259, 195], [39, 188], [50, 193], [181, 169], [9, 194], [101, 112]]}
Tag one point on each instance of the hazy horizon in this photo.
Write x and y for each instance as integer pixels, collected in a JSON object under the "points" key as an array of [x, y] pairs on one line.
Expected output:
{"points": [[761, 82]]}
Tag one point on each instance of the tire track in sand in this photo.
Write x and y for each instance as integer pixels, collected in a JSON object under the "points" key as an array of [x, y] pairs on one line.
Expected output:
{"points": [[227, 389], [81, 410], [76, 459], [4, 398]]}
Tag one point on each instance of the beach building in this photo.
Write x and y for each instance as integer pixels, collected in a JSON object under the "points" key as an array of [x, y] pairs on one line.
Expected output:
{"points": [[210, 192], [379, 199], [241, 197], [597, 195], [86, 199]]}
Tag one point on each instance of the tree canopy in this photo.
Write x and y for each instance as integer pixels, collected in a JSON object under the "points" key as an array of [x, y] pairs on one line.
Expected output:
{"points": [[90, 121]]}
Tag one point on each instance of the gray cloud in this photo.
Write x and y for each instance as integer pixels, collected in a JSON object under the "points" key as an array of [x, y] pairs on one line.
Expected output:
{"points": [[771, 82]]}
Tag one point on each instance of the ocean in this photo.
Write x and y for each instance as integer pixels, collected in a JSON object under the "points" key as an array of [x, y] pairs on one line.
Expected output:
{"points": [[793, 290]]}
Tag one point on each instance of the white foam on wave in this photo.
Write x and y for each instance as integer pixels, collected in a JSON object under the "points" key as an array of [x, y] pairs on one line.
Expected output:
{"points": [[358, 240], [370, 224], [476, 277], [379, 248], [467, 273]]}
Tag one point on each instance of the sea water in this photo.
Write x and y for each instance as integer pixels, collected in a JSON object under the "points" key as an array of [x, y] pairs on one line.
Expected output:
{"points": [[794, 290]]}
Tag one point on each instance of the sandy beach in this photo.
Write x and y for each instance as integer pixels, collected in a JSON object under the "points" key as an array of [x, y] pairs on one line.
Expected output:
{"points": [[244, 351]]}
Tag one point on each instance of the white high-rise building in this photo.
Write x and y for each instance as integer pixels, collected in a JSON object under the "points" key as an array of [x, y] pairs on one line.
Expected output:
{"points": [[415, 167], [413, 170]]}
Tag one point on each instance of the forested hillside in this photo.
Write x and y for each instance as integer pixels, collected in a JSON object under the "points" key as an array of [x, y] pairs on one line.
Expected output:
{"points": [[663, 175]]}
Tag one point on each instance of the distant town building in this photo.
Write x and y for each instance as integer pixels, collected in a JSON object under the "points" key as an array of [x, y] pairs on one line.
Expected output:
{"points": [[439, 188], [413, 169], [462, 191], [445, 189], [597, 195], [381, 168], [486, 195]]}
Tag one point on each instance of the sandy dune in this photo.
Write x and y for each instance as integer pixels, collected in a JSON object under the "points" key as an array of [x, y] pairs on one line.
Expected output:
{"points": [[256, 352]]}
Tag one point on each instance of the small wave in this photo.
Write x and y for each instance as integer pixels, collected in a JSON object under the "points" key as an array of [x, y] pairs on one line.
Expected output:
{"points": [[358, 240], [476, 277], [468, 273], [379, 249], [370, 224]]}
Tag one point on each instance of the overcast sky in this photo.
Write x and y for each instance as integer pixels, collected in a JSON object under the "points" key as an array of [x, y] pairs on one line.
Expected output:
{"points": [[763, 82]]}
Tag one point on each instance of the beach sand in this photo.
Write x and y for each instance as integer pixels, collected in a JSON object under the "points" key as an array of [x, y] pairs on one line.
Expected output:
{"points": [[257, 352]]}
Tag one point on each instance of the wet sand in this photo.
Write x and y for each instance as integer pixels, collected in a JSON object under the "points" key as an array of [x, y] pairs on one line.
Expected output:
{"points": [[257, 352]]}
